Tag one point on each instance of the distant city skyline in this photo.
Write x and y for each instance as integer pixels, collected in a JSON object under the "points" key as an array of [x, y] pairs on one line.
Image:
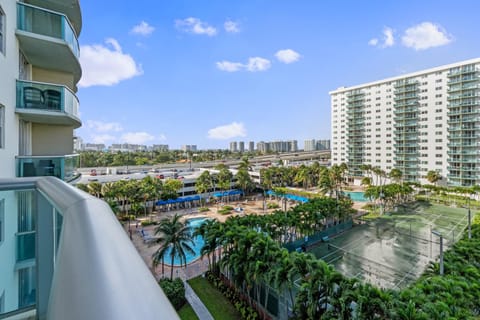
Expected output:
{"points": [[80, 144], [209, 72]]}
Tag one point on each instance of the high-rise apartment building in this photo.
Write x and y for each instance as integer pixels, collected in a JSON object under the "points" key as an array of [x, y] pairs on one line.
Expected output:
{"points": [[323, 144], [241, 146], [40, 69], [310, 145], [251, 146], [189, 147], [160, 147], [233, 146], [417, 122], [277, 146]]}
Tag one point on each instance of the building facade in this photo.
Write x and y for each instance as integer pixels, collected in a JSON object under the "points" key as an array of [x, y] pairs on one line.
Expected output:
{"points": [[312, 145], [160, 147], [233, 146], [189, 147], [277, 146], [251, 146], [39, 72], [422, 121], [40, 69], [241, 146]]}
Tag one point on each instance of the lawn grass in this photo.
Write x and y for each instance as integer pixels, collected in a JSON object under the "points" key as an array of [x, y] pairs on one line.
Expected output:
{"points": [[216, 303], [187, 313]]}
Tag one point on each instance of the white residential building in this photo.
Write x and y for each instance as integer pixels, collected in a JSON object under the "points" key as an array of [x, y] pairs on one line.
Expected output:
{"points": [[39, 72], [417, 122]]}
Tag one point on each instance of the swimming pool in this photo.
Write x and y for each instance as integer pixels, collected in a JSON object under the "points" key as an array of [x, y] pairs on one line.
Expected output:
{"points": [[357, 196], [197, 247]]}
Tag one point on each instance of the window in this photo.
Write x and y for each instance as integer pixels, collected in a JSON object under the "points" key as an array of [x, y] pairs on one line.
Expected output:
{"points": [[2, 127], [2, 31]]}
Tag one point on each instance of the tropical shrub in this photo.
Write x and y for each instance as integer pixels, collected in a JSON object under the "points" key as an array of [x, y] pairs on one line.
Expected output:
{"points": [[174, 290], [272, 205], [146, 223], [225, 211], [240, 304]]}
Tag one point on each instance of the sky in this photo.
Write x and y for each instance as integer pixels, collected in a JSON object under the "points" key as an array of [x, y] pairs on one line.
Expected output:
{"points": [[208, 72]]}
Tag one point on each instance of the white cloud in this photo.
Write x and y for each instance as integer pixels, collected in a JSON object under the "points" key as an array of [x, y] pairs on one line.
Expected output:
{"points": [[106, 65], [425, 35], [101, 126], [373, 42], [254, 64], [388, 37], [231, 26], [258, 64], [136, 137], [143, 29], [195, 26], [287, 56], [102, 138], [227, 131], [229, 66]]}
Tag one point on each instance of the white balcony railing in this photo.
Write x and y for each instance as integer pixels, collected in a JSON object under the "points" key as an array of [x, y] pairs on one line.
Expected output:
{"points": [[84, 265]]}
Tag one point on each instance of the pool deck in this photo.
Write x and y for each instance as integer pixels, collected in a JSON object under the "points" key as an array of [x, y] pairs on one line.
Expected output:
{"points": [[200, 265]]}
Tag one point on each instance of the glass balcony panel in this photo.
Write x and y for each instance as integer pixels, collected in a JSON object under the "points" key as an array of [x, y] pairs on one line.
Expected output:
{"points": [[62, 167], [53, 284], [47, 23], [17, 251], [45, 96], [25, 246]]}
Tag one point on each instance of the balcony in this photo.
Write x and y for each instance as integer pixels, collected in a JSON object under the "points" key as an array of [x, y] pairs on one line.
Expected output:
{"points": [[464, 79], [70, 8], [42, 32], [464, 119], [62, 167], [47, 103], [82, 263]]}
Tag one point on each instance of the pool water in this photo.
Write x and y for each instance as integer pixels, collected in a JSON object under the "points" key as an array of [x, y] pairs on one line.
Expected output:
{"points": [[197, 247], [356, 196]]}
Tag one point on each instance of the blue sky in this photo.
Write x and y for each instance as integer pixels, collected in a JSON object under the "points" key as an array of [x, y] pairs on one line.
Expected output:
{"points": [[208, 72]]}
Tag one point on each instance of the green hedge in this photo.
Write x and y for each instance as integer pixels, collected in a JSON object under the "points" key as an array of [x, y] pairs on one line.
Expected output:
{"points": [[174, 290]]}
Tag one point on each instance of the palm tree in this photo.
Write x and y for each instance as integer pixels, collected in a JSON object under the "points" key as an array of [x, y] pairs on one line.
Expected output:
{"points": [[433, 176], [366, 181], [303, 176], [147, 190], [244, 181], [176, 236], [204, 183], [224, 178], [396, 175], [95, 189]]}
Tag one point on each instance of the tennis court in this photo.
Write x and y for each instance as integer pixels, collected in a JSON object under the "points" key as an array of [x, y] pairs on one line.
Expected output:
{"points": [[393, 251]]}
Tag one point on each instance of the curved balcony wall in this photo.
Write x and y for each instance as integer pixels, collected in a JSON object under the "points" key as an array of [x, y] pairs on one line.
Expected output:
{"points": [[74, 260], [47, 103], [41, 32], [62, 167]]}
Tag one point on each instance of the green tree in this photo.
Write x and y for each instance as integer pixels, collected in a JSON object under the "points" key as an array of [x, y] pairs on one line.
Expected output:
{"points": [[433, 176], [244, 181], [224, 177], [174, 237], [170, 189], [204, 183], [396, 175]]}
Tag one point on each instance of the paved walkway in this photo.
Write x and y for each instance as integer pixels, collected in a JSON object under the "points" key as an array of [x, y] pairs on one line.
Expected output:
{"points": [[197, 304]]}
